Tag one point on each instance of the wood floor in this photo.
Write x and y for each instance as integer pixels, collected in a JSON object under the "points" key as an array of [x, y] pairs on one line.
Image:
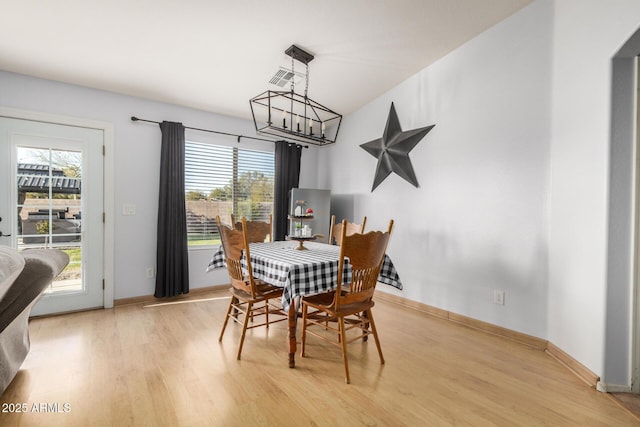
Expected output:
{"points": [[163, 366]]}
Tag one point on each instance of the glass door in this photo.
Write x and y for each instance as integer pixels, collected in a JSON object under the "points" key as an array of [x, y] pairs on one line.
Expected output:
{"points": [[49, 208], [55, 186]]}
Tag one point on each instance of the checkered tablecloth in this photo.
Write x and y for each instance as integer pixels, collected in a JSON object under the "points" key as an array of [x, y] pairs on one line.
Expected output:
{"points": [[302, 272]]}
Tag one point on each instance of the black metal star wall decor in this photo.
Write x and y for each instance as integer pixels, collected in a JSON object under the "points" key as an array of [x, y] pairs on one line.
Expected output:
{"points": [[392, 150]]}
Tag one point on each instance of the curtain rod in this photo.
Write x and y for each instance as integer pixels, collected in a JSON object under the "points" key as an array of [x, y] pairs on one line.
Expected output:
{"points": [[136, 119]]}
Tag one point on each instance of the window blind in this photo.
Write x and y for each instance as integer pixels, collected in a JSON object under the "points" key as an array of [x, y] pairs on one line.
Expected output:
{"points": [[221, 180]]}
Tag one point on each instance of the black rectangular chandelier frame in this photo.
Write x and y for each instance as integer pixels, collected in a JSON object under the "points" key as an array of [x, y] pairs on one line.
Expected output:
{"points": [[289, 115]]}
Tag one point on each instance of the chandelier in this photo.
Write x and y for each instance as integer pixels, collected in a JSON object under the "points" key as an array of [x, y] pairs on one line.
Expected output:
{"points": [[289, 115]]}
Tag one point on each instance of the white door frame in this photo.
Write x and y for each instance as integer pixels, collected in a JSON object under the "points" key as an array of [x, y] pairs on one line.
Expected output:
{"points": [[635, 325], [108, 194]]}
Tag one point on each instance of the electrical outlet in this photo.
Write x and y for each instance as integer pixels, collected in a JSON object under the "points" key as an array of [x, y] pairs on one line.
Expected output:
{"points": [[498, 297], [150, 273]]}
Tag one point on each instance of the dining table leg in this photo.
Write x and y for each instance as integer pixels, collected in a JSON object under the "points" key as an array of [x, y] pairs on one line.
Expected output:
{"points": [[291, 336]]}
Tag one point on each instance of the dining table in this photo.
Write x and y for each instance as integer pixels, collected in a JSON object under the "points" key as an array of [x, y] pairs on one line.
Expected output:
{"points": [[299, 273]]}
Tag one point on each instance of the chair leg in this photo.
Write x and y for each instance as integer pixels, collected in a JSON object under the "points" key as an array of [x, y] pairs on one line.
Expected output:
{"points": [[366, 325], [304, 329], [244, 327], [226, 318], [344, 350], [375, 335], [266, 313]]}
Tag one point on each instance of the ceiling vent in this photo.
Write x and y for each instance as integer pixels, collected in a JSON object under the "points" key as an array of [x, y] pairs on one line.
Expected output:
{"points": [[283, 77]]}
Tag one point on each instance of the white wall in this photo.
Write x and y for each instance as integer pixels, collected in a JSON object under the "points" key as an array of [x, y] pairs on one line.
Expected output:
{"points": [[587, 34], [514, 180], [478, 221], [137, 159]]}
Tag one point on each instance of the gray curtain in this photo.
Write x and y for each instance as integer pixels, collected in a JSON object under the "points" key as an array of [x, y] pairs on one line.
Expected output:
{"points": [[287, 177], [172, 260]]}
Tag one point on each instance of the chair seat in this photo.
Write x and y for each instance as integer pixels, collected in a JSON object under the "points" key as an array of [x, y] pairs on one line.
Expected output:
{"points": [[323, 302], [324, 299], [266, 287], [266, 291]]}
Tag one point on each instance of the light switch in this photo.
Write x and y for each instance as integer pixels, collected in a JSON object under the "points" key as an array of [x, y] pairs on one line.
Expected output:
{"points": [[128, 209]]}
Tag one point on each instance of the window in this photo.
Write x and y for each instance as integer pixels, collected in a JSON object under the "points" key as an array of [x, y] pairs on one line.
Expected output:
{"points": [[222, 180]]}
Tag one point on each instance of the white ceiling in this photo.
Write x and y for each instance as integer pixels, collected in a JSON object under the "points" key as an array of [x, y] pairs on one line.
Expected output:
{"points": [[215, 55]]}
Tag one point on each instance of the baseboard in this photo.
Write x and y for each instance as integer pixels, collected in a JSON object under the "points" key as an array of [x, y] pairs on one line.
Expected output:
{"points": [[613, 388], [528, 340], [150, 299], [566, 360], [573, 365], [519, 337], [424, 308]]}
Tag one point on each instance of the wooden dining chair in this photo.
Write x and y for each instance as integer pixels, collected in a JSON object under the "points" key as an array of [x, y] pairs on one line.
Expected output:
{"points": [[349, 306], [335, 231], [250, 298], [258, 231]]}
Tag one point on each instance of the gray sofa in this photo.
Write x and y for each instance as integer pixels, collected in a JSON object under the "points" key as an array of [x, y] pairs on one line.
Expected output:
{"points": [[23, 277]]}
